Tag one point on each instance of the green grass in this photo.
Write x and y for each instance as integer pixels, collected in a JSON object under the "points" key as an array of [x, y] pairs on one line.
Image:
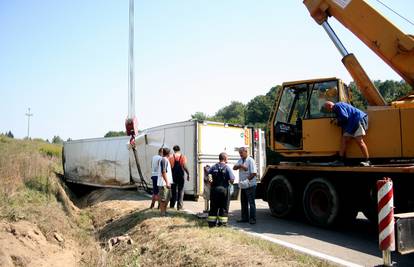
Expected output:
{"points": [[50, 150]]}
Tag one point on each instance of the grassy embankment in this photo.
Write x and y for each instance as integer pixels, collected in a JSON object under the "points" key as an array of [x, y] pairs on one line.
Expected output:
{"points": [[31, 191]]}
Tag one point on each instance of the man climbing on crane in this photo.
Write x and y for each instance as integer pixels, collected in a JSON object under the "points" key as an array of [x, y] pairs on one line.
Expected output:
{"points": [[354, 123]]}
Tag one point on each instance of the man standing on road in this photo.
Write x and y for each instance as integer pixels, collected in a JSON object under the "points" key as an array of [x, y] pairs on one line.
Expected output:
{"points": [[179, 166], [221, 178], [155, 164], [354, 123], [247, 183], [164, 180]]}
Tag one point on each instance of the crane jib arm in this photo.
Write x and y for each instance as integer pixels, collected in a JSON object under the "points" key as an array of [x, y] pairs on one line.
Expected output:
{"points": [[380, 35]]}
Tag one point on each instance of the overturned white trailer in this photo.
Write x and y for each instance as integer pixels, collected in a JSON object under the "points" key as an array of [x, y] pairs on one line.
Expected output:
{"points": [[108, 162]]}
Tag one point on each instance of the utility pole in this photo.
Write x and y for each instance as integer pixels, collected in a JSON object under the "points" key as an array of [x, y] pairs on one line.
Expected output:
{"points": [[28, 114]]}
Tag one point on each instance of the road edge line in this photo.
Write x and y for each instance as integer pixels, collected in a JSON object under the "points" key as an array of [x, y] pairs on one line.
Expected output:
{"points": [[293, 246], [302, 249]]}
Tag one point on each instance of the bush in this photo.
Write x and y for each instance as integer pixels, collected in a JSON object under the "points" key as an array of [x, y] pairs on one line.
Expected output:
{"points": [[57, 140], [51, 150]]}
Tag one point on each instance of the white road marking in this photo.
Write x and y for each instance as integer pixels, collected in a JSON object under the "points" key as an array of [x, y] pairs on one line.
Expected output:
{"points": [[302, 249], [294, 247]]}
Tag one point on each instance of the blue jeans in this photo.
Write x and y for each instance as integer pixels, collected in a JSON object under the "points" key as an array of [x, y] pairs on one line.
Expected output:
{"points": [[248, 197]]}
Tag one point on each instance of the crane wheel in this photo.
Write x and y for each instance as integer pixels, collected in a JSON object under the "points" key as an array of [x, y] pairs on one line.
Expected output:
{"points": [[321, 202], [280, 196], [371, 208]]}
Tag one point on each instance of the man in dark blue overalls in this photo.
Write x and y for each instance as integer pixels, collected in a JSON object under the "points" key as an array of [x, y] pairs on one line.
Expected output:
{"points": [[221, 178]]}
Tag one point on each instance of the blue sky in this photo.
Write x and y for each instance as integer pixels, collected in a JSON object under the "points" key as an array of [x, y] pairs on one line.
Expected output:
{"points": [[68, 60]]}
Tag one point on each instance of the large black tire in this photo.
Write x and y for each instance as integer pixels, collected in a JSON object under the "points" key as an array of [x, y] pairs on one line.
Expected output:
{"points": [[280, 196], [370, 209], [321, 202]]}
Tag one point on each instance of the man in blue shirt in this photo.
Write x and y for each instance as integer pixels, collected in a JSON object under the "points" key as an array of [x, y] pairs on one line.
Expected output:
{"points": [[354, 123]]}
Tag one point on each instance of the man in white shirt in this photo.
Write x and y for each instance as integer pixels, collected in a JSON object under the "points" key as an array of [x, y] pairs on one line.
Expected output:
{"points": [[164, 180], [155, 164], [247, 183]]}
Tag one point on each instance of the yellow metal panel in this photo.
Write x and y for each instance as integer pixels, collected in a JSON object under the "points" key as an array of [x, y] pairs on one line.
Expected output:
{"points": [[383, 136], [407, 126], [364, 84], [320, 135], [378, 33], [200, 170], [309, 81]]}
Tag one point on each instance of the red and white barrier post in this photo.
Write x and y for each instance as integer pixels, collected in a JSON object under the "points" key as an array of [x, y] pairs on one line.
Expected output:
{"points": [[386, 219]]}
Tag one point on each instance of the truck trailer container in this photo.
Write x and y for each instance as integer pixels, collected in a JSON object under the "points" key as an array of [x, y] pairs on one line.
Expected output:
{"points": [[110, 162]]}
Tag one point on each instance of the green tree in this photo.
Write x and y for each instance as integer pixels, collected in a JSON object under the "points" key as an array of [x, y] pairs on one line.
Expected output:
{"points": [[200, 116], [390, 91], [57, 140], [259, 108], [115, 133], [357, 99], [233, 113], [271, 95], [10, 134]]}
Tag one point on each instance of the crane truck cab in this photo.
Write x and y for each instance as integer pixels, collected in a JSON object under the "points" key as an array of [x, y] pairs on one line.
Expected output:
{"points": [[300, 126], [301, 129], [306, 137]]}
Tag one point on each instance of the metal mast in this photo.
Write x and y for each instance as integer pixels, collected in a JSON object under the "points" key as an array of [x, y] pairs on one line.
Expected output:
{"points": [[131, 82]]}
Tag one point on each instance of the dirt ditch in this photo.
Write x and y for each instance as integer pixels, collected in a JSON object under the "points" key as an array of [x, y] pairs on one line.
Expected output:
{"points": [[111, 227]]}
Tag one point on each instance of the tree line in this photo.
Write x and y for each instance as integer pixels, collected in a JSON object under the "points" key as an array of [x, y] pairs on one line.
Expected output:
{"points": [[257, 111], [55, 140]]}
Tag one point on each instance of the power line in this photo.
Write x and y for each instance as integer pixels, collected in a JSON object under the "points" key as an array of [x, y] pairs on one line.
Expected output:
{"points": [[395, 12]]}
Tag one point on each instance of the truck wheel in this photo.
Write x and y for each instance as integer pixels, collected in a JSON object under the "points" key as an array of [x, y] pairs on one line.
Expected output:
{"points": [[371, 207], [321, 202], [280, 196]]}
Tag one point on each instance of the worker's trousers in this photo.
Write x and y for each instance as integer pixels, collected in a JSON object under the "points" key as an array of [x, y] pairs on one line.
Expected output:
{"points": [[218, 214], [177, 194], [248, 205]]}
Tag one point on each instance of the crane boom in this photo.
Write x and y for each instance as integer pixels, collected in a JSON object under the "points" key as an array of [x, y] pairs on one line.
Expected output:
{"points": [[379, 34]]}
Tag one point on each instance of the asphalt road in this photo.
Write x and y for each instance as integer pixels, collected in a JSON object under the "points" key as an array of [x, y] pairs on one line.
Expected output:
{"points": [[355, 243]]}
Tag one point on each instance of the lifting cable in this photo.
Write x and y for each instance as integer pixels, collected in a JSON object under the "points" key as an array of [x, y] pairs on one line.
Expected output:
{"points": [[395, 12], [141, 176]]}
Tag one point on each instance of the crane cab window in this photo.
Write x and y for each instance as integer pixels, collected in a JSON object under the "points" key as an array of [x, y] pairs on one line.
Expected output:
{"points": [[293, 104], [299, 102], [292, 108], [322, 92]]}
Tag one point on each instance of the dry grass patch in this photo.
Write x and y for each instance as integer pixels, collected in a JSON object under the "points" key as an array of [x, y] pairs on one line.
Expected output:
{"points": [[183, 240], [32, 192], [23, 161]]}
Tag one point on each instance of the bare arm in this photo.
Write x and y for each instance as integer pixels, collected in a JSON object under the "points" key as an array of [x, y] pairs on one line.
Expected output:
{"points": [[187, 172], [164, 176]]}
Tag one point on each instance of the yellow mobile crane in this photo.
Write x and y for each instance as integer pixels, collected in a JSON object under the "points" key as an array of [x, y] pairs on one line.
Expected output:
{"points": [[308, 141]]}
